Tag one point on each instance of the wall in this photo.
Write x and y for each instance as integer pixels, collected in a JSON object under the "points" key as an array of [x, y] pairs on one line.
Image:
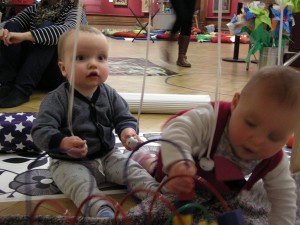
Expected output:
{"points": [[105, 7], [212, 18], [104, 12], [233, 9]]}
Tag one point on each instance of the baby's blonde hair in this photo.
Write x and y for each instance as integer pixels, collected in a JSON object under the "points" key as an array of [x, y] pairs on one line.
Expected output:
{"points": [[277, 82], [64, 37]]}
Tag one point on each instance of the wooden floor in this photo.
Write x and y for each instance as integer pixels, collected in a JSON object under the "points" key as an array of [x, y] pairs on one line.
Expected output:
{"points": [[200, 79]]}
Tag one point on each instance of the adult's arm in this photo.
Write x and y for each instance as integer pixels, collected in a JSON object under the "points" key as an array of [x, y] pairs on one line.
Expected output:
{"points": [[24, 17], [47, 35], [50, 35]]}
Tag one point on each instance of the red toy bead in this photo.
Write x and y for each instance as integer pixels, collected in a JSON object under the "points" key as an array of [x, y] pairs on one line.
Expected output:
{"points": [[290, 142]]}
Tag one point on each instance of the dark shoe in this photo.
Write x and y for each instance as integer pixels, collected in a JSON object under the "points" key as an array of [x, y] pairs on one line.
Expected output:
{"points": [[182, 61], [4, 91], [183, 44], [13, 99]]}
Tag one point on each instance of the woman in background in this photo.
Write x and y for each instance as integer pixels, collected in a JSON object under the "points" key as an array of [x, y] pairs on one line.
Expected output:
{"points": [[184, 10], [28, 49]]}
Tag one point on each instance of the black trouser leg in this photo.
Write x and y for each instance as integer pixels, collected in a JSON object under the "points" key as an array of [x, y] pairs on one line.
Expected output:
{"points": [[184, 16], [11, 56], [37, 60], [40, 61], [52, 77]]}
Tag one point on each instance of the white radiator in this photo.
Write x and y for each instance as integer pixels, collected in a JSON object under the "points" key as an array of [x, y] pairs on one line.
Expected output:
{"points": [[163, 103]]}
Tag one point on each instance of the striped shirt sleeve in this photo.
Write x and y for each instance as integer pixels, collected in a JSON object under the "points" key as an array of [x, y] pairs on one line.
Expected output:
{"points": [[50, 35], [25, 17]]}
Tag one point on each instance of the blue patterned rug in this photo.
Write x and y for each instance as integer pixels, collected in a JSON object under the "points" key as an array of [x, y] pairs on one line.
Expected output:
{"points": [[122, 66]]}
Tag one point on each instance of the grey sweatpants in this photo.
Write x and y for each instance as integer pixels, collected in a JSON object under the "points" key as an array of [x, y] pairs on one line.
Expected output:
{"points": [[80, 179]]}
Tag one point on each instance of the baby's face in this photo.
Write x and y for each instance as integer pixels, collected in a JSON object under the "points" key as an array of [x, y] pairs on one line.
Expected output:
{"points": [[91, 62], [260, 127]]}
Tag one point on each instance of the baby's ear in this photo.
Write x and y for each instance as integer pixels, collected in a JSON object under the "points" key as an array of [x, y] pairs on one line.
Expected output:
{"points": [[235, 100], [62, 68]]}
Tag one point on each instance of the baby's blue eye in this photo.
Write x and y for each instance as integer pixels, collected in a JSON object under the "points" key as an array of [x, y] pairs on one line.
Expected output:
{"points": [[102, 58], [79, 58]]}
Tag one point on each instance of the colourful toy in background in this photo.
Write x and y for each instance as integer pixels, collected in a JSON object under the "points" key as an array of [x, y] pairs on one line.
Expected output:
{"points": [[288, 20], [202, 222], [293, 5], [290, 142], [262, 28]]}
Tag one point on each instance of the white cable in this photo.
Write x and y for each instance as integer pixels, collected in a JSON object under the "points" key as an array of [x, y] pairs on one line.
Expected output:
{"points": [[146, 65], [218, 76], [207, 163], [71, 89], [280, 33]]}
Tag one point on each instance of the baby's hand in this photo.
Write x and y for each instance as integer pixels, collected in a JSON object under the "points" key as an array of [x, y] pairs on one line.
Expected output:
{"points": [[182, 184], [74, 147], [128, 133]]}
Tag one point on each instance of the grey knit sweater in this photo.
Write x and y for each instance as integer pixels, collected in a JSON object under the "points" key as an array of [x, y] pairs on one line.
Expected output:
{"points": [[93, 120]]}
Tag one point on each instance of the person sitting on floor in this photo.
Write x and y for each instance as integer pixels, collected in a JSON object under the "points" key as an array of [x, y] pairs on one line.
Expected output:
{"points": [[247, 142], [28, 49], [83, 160]]}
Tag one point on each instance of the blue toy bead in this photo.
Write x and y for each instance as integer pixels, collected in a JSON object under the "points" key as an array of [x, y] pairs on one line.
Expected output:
{"points": [[234, 217]]}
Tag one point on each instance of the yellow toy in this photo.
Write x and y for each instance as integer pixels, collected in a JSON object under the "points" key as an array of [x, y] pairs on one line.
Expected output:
{"points": [[204, 222]]}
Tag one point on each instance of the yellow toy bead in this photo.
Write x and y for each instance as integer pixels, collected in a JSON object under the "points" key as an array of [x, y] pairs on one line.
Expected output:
{"points": [[187, 220], [204, 222]]}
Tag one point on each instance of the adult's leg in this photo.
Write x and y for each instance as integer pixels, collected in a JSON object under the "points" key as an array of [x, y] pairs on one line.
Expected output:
{"points": [[37, 59], [184, 19], [179, 8], [185, 12], [77, 181], [52, 77], [175, 28], [183, 44], [10, 60], [34, 67]]}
